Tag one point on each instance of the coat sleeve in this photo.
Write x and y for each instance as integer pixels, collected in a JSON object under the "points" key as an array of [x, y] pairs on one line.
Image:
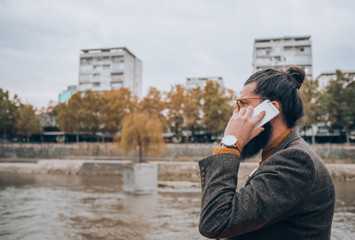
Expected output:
{"points": [[279, 184]]}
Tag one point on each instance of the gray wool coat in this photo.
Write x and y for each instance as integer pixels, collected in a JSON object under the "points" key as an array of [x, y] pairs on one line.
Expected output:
{"points": [[290, 196]]}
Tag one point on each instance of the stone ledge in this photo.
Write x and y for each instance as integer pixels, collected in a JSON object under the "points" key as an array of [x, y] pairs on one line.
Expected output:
{"points": [[167, 171], [110, 150]]}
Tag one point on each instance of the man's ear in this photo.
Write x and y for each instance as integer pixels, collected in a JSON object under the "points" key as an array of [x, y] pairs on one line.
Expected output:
{"points": [[277, 105]]}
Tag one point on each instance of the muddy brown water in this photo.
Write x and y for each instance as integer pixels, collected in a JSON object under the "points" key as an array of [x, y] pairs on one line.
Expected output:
{"points": [[39, 206]]}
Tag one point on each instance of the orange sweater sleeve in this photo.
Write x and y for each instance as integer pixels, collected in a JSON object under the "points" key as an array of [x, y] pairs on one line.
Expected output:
{"points": [[226, 150]]}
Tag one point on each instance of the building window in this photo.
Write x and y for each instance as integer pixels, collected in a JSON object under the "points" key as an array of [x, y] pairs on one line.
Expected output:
{"points": [[117, 77], [301, 39], [106, 66], [96, 75], [84, 77], [263, 52], [115, 74], [117, 58], [85, 60], [116, 84], [96, 84], [262, 40], [303, 49]]}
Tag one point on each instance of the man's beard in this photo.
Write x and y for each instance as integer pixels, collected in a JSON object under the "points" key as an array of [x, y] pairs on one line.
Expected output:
{"points": [[254, 146]]}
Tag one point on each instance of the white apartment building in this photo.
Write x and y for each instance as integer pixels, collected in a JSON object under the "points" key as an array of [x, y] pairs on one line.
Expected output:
{"points": [[200, 82], [325, 77], [283, 52], [107, 69]]}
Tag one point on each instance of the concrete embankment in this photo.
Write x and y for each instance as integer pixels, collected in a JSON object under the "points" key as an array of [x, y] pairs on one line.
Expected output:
{"points": [[191, 151], [167, 171]]}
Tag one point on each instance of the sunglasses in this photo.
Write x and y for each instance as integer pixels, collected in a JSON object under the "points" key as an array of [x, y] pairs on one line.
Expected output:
{"points": [[241, 102]]}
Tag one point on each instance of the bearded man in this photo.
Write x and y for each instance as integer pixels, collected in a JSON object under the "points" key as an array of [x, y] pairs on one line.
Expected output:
{"points": [[291, 194]]}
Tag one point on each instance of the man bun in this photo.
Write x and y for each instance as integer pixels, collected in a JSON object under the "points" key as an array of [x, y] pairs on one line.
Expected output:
{"points": [[281, 86], [297, 75]]}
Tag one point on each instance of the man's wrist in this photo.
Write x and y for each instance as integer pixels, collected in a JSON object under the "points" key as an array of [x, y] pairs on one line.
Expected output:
{"points": [[231, 141], [236, 146], [226, 150]]}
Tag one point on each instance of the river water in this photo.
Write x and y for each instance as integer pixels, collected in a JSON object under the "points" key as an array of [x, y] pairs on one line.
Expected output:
{"points": [[94, 207]]}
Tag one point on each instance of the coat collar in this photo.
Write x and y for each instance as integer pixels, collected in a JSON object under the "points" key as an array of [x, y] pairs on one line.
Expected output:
{"points": [[283, 144], [287, 140], [266, 153]]}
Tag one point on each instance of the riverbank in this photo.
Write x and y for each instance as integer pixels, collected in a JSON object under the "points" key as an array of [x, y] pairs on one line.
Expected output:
{"points": [[174, 152], [168, 171]]}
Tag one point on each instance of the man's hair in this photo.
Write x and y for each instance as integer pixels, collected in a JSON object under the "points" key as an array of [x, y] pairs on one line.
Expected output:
{"points": [[281, 86]]}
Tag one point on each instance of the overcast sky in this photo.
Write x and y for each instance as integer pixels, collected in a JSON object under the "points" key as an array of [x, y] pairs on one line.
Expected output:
{"points": [[40, 40]]}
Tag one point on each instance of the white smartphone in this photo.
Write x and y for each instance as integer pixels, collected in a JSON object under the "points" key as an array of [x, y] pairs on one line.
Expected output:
{"points": [[269, 108]]}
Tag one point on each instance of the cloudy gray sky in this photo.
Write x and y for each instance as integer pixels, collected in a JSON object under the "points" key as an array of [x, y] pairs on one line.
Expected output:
{"points": [[41, 40]]}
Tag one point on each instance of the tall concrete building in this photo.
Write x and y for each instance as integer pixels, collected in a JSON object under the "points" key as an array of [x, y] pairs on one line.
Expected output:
{"points": [[196, 82], [283, 52], [105, 69]]}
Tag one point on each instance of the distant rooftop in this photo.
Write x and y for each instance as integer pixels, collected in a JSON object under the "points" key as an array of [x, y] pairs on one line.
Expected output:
{"points": [[297, 38], [204, 78], [103, 50], [334, 72]]}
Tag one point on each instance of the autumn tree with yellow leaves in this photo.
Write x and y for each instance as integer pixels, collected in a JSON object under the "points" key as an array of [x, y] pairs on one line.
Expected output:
{"points": [[216, 107], [71, 116], [310, 95], [338, 101], [27, 121], [192, 110], [116, 105], [8, 113], [175, 109], [141, 133], [154, 104]]}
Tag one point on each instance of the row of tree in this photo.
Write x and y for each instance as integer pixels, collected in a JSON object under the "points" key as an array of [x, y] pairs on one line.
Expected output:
{"points": [[16, 117], [333, 106], [179, 111]]}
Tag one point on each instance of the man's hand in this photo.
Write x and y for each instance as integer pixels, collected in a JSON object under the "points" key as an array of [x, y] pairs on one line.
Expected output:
{"points": [[242, 125]]}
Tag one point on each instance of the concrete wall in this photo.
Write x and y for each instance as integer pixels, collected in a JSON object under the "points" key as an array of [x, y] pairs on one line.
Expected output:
{"points": [[335, 151], [110, 151], [167, 171]]}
